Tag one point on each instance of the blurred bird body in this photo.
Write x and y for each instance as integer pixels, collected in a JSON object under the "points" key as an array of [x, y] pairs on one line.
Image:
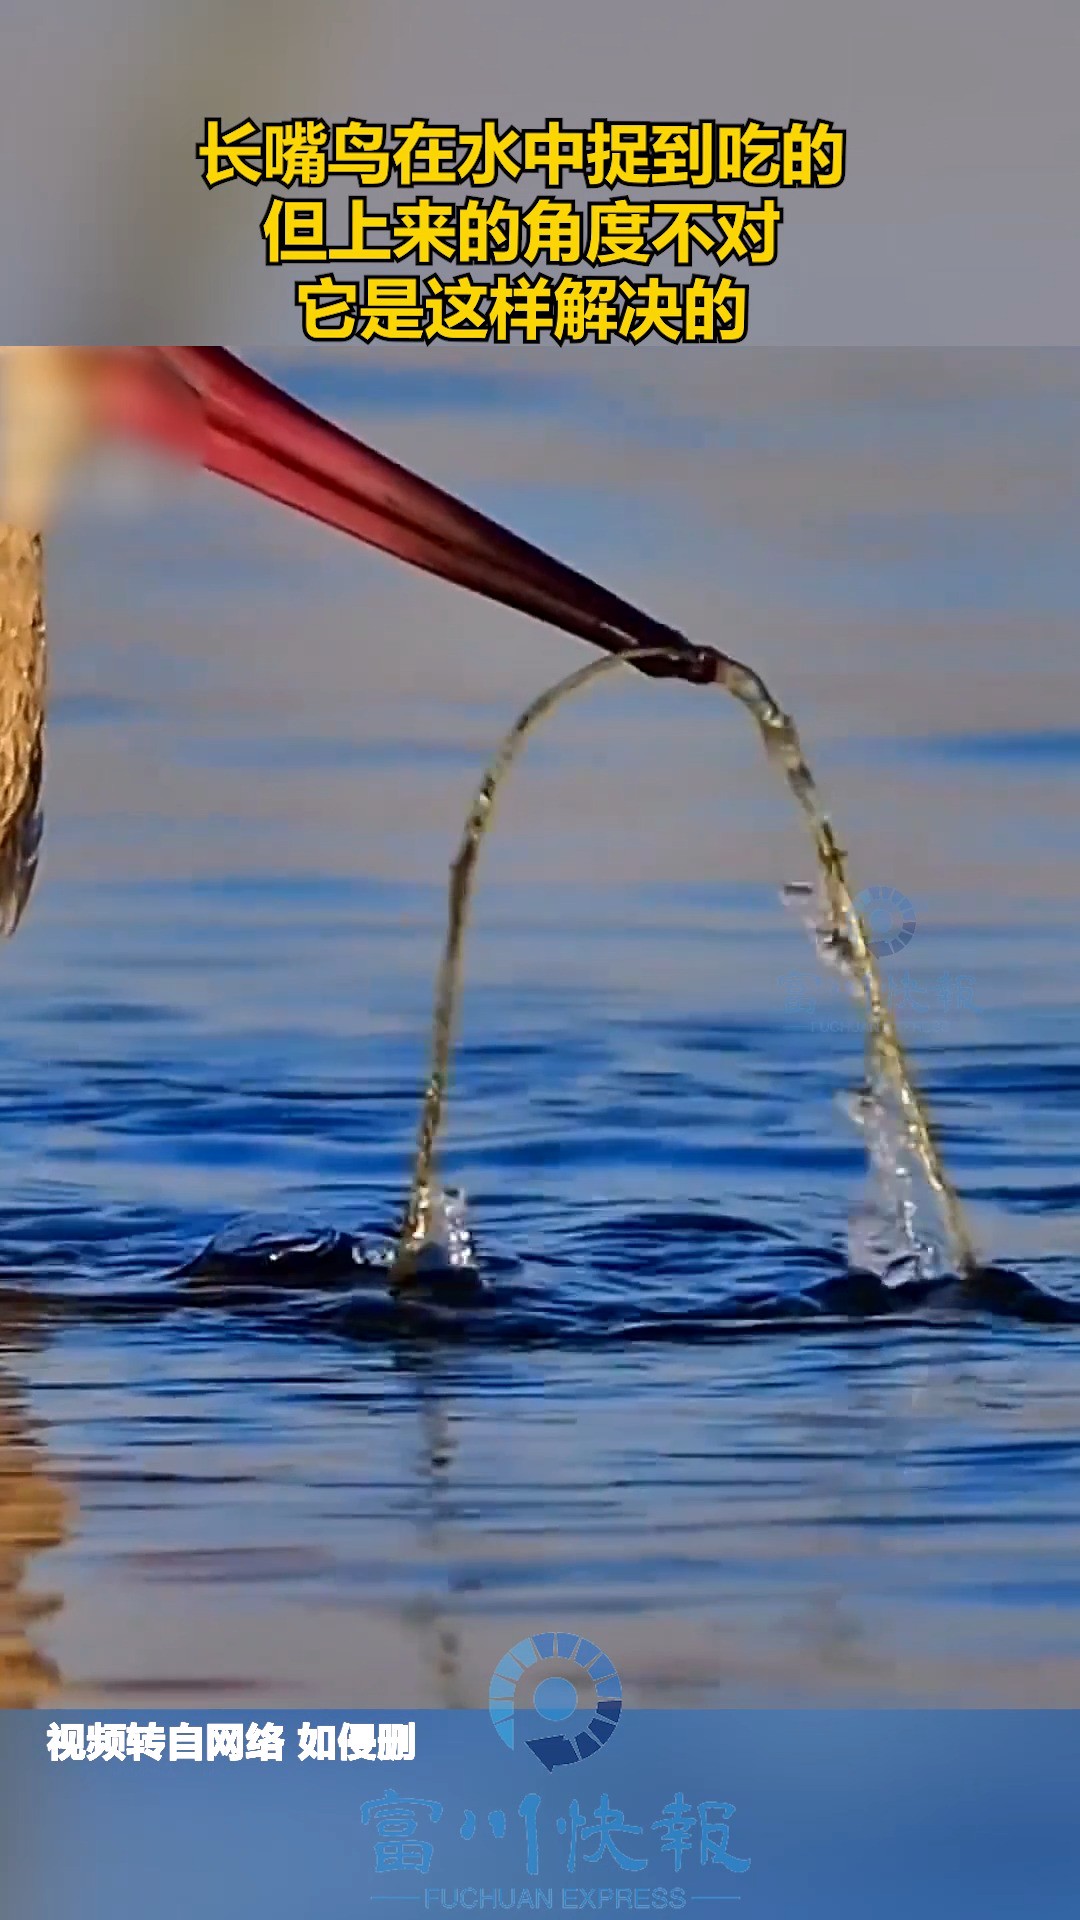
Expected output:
{"points": [[22, 717], [44, 421]]}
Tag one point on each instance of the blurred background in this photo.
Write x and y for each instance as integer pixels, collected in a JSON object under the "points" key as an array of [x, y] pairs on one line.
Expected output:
{"points": [[949, 229], [262, 744]]}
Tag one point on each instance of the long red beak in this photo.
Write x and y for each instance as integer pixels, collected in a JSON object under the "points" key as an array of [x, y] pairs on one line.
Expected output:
{"points": [[206, 405]]}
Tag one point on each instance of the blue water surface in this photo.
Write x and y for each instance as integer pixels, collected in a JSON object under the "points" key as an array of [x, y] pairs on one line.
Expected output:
{"points": [[235, 1477]]}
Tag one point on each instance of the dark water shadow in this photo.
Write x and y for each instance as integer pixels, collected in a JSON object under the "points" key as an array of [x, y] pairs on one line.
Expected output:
{"points": [[677, 1277]]}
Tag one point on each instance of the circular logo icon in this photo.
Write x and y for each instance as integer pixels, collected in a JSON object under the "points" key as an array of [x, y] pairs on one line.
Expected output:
{"points": [[556, 1679], [889, 919]]}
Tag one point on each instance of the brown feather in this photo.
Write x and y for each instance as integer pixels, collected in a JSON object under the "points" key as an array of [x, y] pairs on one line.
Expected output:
{"points": [[22, 718]]}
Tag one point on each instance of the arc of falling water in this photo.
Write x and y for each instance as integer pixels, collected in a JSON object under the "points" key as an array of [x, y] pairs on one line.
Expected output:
{"points": [[886, 1056], [418, 1212]]}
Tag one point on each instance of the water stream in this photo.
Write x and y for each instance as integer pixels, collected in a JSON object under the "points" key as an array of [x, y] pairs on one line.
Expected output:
{"points": [[889, 1109]]}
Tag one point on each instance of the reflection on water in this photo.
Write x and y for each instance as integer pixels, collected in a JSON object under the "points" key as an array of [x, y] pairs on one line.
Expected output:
{"points": [[33, 1516], [674, 1421]]}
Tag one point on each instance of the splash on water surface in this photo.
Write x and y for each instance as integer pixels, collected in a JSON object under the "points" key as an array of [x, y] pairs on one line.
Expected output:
{"points": [[885, 1238]]}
